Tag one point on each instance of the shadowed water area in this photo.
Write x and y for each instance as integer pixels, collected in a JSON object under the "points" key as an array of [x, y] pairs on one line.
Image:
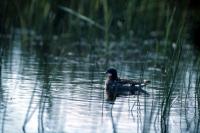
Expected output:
{"points": [[48, 93]]}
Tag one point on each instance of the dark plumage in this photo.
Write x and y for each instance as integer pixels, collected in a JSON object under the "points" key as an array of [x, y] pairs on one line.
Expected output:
{"points": [[114, 86]]}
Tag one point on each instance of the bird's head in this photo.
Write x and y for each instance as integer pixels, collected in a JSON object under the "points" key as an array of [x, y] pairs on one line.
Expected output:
{"points": [[112, 74]]}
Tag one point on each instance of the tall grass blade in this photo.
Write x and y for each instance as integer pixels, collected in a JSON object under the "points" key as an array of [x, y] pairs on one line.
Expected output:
{"points": [[82, 17]]}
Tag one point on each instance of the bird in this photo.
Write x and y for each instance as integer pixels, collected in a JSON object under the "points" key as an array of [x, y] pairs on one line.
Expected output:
{"points": [[115, 87]]}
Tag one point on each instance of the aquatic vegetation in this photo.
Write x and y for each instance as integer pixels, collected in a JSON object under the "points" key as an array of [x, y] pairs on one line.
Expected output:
{"points": [[55, 55]]}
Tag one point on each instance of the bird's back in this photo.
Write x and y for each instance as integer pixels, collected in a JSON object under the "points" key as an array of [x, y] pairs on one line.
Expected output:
{"points": [[115, 88]]}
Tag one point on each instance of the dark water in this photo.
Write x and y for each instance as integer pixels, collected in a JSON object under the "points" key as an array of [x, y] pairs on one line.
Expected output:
{"points": [[44, 93]]}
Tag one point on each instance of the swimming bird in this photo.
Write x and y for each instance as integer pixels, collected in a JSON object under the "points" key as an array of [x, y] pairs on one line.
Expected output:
{"points": [[114, 86]]}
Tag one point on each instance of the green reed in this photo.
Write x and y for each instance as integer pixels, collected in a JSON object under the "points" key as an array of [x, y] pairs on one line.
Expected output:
{"points": [[108, 20], [172, 69], [107, 17], [45, 17], [197, 98]]}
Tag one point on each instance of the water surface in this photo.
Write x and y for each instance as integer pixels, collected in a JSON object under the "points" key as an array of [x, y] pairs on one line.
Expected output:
{"points": [[45, 93]]}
